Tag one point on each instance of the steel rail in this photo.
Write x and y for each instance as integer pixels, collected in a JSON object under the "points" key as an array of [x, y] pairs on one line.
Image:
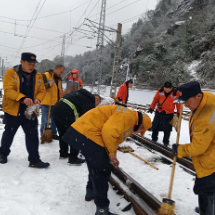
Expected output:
{"points": [[186, 162], [143, 202]]}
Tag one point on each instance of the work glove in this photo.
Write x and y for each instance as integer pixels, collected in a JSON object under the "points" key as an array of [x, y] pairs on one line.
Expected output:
{"points": [[150, 110], [32, 112], [174, 150], [174, 122]]}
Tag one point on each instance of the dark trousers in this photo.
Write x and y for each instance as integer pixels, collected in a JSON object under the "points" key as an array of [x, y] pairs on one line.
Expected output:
{"points": [[205, 189], [30, 127], [64, 116], [207, 205], [98, 164], [165, 138]]}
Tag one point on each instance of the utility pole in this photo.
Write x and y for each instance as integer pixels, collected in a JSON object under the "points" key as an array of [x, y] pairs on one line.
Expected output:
{"points": [[97, 75], [116, 61], [2, 68], [63, 48]]}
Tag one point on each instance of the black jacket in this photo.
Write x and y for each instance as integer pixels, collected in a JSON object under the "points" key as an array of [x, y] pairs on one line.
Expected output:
{"points": [[82, 99]]}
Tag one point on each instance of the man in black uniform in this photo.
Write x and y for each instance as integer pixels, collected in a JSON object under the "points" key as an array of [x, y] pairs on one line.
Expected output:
{"points": [[67, 111], [23, 87]]}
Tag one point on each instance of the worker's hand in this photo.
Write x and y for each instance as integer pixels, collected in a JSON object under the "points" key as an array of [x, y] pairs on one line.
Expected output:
{"points": [[174, 122], [37, 101], [28, 102], [51, 83], [150, 110], [32, 112], [174, 150], [113, 160]]}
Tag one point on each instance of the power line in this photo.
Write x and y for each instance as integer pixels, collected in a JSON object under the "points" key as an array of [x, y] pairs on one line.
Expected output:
{"points": [[123, 7], [108, 8], [26, 20], [45, 29], [8, 47], [30, 26], [79, 25], [39, 38]]}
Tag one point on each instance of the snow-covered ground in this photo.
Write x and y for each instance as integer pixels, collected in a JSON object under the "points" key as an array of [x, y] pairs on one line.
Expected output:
{"points": [[60, 189]]}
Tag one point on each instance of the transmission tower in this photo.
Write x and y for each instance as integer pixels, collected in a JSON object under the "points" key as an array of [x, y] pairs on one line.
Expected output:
{"points": [[63, 48], [97, 76]]}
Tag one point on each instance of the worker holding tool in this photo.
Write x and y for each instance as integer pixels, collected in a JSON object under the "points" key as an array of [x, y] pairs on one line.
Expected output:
{"points": [[23, 87], [202, 142], [53, 94], [97, 134], [164, 99]]}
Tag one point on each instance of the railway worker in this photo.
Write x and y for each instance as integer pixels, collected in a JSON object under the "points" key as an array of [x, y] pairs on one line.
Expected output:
{"points": [[53, 84], [97, 134], [73, 80], [68, 110], [23, 86], [164, 99], [123, 92], [202, 142]]}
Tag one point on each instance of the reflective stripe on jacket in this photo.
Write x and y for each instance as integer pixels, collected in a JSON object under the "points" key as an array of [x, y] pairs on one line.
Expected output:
{"points": [[12, 94], [72, 106], [168, 105], [56, 89], [202, 137], [107, 126]]}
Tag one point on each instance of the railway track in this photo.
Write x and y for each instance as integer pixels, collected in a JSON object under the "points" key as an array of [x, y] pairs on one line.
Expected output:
{"points": [[166, 151], [143, 202]]}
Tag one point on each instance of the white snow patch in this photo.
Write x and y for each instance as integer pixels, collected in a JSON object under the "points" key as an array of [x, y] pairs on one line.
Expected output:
{"points": [[192, 68]]}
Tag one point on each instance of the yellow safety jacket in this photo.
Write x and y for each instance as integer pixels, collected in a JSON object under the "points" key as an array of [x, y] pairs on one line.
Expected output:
{"points": [[12, 94], [202, 137], [56, 89], [107, 126]]}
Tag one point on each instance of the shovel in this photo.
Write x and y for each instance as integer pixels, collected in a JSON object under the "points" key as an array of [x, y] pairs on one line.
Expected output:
{"points": [[128, 149]]}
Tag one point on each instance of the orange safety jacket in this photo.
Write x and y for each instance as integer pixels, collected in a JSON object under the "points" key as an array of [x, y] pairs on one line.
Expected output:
{"points": [[122, 93], [70, 78], [167, 103]]}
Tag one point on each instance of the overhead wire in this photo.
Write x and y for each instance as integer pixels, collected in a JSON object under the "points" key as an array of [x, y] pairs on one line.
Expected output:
{"points": [[72, 36], [12, 23], [29, 28]]}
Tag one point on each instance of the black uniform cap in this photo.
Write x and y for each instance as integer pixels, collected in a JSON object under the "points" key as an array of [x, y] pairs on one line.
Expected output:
{"points": [[187, 91], [30, 57]]}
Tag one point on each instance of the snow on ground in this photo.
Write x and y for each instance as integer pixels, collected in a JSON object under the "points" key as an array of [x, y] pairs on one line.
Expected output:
{"points": [[60, 189]]}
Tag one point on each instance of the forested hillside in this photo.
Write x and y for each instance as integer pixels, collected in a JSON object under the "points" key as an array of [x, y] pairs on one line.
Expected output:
{"points": [[177, 43]]}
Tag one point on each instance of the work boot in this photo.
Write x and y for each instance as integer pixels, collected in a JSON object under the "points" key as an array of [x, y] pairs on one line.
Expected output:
{"points": [[77, 162], [39, 165], [166, 144], [55, 137], [64, 155], [197, 210], [89, 195], [103, 211], [3, 159]]}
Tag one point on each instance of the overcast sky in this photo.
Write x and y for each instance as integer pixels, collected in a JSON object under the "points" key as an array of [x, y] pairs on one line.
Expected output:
{"points": [[44, 34]]}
